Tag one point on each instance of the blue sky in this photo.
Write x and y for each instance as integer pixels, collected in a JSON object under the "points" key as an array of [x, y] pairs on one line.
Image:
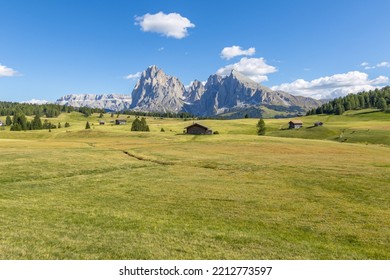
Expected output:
{"points": [[313, 48]]}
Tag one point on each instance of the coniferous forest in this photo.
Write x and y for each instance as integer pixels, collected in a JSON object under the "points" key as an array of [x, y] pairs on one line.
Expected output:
{"points": [[376, 99], [19, 111]]}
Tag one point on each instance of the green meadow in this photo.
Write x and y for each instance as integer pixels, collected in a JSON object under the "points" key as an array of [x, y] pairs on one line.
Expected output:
{"points": [[109, 193]]}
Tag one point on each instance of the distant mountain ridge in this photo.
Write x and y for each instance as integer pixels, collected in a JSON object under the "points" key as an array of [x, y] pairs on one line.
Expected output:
{"points": [[156, 91], [111, 102]]}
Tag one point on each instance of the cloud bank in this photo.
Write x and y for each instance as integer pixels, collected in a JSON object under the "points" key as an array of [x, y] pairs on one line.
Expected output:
{"points": [[233, 51], [170, 25], [254, 68], [333, 86]]}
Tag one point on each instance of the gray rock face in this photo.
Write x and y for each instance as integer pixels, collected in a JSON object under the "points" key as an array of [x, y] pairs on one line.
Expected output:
{"points": [[111, 102], [194, 92], [223, 94], [157, 92]]}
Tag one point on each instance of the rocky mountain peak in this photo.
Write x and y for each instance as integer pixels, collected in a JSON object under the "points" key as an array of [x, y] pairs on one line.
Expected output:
{"points": [[194, 91], [158, 92], [239, 77], [213, 80], [151, 72]]}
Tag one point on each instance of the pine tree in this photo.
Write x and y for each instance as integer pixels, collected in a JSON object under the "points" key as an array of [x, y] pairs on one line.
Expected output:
{"points": [[135, 126], [19, 122], [362, 102], [36, 123], [139, 125], [87, 126], [339, 109], [16, 127], [8, 121], [381, 104], [67, 124], [144, 125], [261, 127]]}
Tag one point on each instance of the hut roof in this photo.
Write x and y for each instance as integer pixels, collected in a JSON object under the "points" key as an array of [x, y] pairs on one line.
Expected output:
{"points": [[296, 122], [196, 124]]}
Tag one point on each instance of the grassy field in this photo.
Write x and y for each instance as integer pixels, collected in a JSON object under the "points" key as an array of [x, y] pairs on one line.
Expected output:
{"points": [[109, 193]]}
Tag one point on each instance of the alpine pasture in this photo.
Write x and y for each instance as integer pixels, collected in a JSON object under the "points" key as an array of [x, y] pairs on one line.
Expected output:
{"points": [[109, 193]]}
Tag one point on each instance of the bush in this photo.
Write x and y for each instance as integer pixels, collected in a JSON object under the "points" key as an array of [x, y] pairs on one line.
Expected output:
{"points": [[215, 132]]}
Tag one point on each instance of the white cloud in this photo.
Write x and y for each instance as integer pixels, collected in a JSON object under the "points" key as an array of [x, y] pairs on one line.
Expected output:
{"points": [[133, 76], [383, 64], [333, 86], [254, 68], [7, 72], [367, 66], [233, 51], [170, 25]]}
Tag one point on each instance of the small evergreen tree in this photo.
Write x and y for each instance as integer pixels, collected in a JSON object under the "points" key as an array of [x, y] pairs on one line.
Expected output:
{"points": [[67, 124], [87, 126], [339, 109], [16, 127], [135, 126], [36, 123], [261, 127], [59, 125], [19, 122], [139, 125], [8, 121], [381, 104], [144, 126]]}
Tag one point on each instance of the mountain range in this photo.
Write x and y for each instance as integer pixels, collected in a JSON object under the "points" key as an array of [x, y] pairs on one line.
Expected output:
{"points": [[229, 96]]}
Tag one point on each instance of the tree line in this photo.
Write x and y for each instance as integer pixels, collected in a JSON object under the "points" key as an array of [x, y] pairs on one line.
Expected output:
{"points": [[179, 115], [19, 122], [377, 99], [19, 111], [48, 110]]}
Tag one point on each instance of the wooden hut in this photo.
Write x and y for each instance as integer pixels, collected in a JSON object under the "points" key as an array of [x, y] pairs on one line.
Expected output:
{"points": [[198, 129]]}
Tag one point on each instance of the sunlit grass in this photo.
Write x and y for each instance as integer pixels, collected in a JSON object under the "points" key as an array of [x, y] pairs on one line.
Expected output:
{"points": [[75, 194]]}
